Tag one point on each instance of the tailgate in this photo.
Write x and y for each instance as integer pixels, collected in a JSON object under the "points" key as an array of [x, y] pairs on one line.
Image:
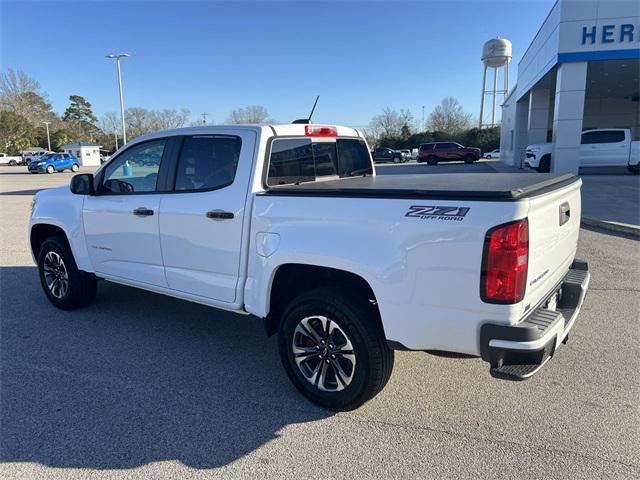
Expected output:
{"points": [[554, 225]]}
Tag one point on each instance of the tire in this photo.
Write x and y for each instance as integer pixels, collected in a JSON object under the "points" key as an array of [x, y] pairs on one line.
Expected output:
{"points": [[635, 169], [488, 157], [545, 164], [12, 163], [432, 160], [397, 160], [75, 167], [50, 169], [348, 380], [73, 289], [469, 159]]}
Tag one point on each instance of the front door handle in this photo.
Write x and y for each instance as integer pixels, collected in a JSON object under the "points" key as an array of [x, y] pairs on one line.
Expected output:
{"points": [[219, 215], [143, 212]]}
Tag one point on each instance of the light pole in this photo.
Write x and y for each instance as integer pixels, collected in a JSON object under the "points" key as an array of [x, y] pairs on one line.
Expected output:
{"points": [[118, 56], [46, 124]]}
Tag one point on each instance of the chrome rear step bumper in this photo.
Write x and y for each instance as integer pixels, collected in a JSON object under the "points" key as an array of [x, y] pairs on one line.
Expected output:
{"points": [[516, 352]]}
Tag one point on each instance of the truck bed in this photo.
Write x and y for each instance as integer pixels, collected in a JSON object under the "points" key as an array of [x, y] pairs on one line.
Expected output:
{"points": [[470, 186]]}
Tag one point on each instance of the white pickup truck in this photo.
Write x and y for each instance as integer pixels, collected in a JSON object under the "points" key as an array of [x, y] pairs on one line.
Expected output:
{"points": [[291, 224], [608, 147], [9, 160]]}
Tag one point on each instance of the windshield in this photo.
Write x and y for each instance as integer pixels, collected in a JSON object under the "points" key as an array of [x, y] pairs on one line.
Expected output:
{"points": [[296, 160]]}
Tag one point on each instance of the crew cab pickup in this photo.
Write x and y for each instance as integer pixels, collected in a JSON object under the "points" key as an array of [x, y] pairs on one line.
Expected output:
{"points": [[290, 223], [607, 147], [436, 152]]}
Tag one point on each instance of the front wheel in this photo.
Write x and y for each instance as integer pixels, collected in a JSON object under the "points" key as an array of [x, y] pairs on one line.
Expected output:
{"points": [[12, 163], [545, 164], [432, 160], [66, 287], [50, 169], [333, 348], [488, 157], [469, 159], [635, 169], [75, 167]]}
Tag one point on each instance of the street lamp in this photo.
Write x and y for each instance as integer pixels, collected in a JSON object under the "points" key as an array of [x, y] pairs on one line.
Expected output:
{"points": [[118, 56], [46, 124]]}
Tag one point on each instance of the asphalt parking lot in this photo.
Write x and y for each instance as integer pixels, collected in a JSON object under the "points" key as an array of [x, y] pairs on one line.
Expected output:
{"points": [[142, 386]]}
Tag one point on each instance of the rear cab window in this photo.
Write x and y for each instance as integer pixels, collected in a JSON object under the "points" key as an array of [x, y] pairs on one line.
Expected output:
{"points": [[298, 160]]}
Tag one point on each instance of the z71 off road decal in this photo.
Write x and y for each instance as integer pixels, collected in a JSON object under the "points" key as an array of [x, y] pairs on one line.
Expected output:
{"points": [[427, 212]]}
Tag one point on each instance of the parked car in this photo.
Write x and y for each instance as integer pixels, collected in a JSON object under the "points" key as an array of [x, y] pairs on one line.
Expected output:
{"points": [[605, 147], [291, 224], [55, 162], [436, 152], [10, 160], [383, 154], [29, 157], [492, 154]]}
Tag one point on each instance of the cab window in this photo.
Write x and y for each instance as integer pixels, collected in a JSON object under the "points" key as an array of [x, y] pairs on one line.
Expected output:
{"points": [[135, 170], [207, 162]]}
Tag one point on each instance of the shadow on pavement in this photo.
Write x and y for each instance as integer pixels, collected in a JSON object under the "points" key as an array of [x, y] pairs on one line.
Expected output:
{"points": [[22, 192], [135, 378]]}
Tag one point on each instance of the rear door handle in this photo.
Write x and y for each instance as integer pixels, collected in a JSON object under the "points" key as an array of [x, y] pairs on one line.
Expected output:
{"points": [[143, 212], [220, 215]]}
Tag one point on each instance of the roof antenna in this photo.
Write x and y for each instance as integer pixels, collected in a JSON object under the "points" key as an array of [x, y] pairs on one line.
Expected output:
{"points": [[308, 120]]}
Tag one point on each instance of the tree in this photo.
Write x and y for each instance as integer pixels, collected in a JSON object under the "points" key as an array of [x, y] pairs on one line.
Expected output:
{"points": [[16, 132], [80, 120], [169, 118], [141, 120], [449, 117], [390, 124], [250, 114], [21, 94]]}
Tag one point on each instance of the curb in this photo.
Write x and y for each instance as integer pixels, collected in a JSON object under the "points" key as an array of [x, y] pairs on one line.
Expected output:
{"points": [[614, 227]]}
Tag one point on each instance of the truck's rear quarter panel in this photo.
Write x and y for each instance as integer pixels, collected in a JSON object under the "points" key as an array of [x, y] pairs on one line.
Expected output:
{"points": [[424, 269]]}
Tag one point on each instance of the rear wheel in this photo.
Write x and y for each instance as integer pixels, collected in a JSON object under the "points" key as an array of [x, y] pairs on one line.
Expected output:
{"points": [[75, 167], [396, 160], [12, 163], [432, 160], [333, 348], [66, 287], [50, 169], [635, 169], [488, 157], [545, 164], [469, 159]]}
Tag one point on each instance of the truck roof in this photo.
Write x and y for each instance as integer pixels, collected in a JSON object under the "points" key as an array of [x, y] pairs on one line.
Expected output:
{"points": [[283, 130]]}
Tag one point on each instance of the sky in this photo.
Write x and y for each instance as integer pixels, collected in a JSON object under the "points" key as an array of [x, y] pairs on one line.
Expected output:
{"points": [[212, 57]]}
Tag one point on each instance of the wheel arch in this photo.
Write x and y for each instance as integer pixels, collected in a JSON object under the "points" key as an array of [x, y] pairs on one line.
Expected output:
{"points": [[290, 280], [40, 232]]}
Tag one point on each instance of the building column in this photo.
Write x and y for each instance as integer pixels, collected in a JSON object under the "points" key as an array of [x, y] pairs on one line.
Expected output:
{"points": [[521, 133], [538, 115], [567, 116]]}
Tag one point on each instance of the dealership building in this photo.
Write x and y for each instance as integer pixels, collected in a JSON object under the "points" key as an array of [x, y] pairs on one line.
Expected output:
{"points": [[580, 72]]}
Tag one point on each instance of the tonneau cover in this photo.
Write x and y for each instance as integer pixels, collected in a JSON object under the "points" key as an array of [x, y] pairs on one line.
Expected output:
{"points": [[481, 186]]}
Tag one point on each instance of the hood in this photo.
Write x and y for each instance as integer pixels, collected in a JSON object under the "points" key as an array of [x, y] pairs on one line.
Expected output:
{"points": [[52, 192]]}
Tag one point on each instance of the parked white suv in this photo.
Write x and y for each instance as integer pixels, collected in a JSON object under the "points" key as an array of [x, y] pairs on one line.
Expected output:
{"points": [[291, 224], [610, 147]]}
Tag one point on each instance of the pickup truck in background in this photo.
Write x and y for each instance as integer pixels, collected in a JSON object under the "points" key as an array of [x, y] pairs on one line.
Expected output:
{"points": [[290, 223], [607, 147], [436, 152], [383, 154], [29, 157], [9, 160]]}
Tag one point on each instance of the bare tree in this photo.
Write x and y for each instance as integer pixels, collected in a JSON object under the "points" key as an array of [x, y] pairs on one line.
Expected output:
{"points": [[391, 123], [250, 114], [449, 117], [21, 94], [110, 123], [169, 118]]}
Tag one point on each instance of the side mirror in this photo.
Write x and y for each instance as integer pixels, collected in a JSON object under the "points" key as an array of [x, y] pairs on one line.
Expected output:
{"points": [[82, 184]]}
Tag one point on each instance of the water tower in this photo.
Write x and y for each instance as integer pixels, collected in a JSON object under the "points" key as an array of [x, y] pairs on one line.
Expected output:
{"points": [[496, 54]]}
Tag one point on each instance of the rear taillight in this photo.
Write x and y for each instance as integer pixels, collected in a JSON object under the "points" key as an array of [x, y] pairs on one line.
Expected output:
{"points": [[320, 131], [505, 263]]}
